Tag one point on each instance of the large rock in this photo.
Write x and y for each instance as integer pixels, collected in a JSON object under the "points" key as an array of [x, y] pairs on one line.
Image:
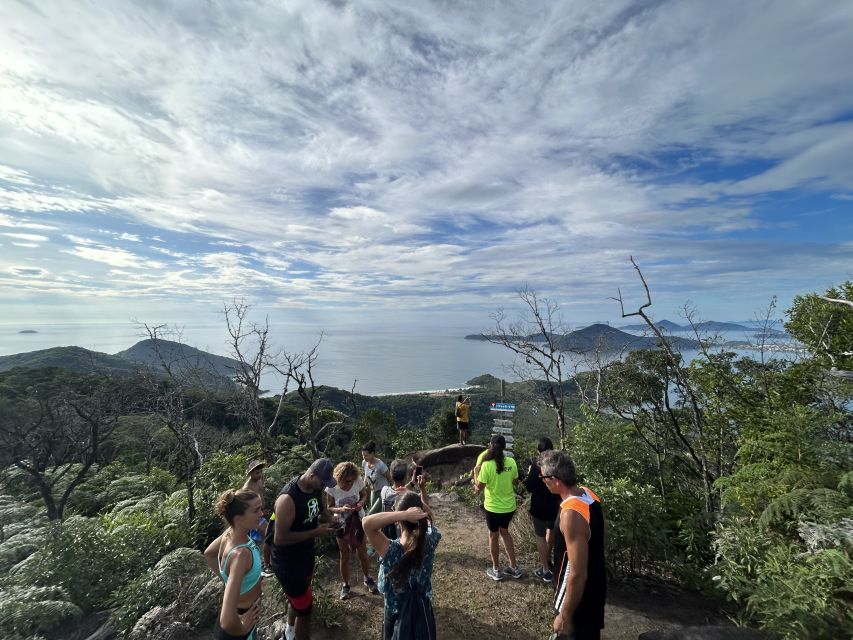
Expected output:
{"points": [[446, 465]]}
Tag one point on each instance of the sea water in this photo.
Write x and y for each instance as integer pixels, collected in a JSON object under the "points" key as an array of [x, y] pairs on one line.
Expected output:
{"points": [[376, 360]]}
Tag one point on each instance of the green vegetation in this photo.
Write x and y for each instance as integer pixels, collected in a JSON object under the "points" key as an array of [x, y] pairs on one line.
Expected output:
{"points": [[730, 474]]}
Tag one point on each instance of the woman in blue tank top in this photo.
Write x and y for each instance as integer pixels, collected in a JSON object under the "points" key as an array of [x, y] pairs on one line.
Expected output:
{"points": [[238, 561]]}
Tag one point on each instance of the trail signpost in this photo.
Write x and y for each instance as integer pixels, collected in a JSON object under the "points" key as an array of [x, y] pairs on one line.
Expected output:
{"points": [[504, 412]]}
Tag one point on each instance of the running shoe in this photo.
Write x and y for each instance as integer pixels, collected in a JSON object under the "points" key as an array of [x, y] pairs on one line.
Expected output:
{"points": [[544, 575], [345, 592], [289, 633], [267, 572], [513, 572], [371, 585], [494, 574]]}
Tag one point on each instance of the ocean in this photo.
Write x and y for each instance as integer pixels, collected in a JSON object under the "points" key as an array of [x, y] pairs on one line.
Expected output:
{"points": [[381, 360]]}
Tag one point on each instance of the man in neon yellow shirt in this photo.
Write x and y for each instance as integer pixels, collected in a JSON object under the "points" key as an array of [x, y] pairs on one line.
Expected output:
{"points": [[498, 475]]}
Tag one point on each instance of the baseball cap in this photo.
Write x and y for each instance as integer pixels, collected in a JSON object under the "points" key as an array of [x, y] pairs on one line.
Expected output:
{"points": [[254, 464], [322, 470]]}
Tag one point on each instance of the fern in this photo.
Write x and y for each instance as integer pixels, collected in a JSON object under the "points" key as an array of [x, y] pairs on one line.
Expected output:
{"points": [[818, 505], [25, 611]]}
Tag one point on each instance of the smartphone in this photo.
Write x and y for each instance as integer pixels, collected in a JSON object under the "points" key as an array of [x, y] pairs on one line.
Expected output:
{"points": [[419, 471]]}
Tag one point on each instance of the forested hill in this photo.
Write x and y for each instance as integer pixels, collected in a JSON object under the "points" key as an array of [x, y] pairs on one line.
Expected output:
{"points": [[599, 337], [142, 354]]}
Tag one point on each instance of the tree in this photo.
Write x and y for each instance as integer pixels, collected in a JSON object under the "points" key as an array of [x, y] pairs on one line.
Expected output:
{"points": [[534, 338], [53, 425], [176, 392], [686, 421], [825, 325], [249, 344]]}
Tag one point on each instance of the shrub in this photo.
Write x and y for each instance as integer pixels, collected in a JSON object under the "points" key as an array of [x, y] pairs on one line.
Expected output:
{"points": [[29, 610], [637, 535]]}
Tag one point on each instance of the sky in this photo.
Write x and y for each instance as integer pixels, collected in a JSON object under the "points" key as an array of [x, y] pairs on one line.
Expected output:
{"points": [[421, 162]]}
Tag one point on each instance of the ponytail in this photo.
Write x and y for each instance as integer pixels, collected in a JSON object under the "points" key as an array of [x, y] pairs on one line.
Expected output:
{"points": [[496, 452], [413, 557], [234, 503]]}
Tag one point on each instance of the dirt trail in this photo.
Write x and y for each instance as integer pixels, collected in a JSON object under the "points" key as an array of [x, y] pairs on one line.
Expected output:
{"points": [[469, 605]]}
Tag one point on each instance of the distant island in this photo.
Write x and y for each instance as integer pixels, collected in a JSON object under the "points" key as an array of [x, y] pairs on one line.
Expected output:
{"points": [[607, 339], [27, 331], [599, 337], [706, 327]]}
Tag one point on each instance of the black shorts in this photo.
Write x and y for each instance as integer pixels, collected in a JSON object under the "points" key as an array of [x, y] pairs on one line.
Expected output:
{"points": [[495, 521], [540, 526], [294, 574], [220, 634], [462, 426]]}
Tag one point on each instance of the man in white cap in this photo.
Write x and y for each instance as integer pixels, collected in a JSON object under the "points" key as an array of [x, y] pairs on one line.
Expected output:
{"points": [[297, 512]]}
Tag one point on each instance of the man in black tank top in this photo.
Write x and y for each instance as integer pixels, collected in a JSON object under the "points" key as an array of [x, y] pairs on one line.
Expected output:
{"points": [[581, 587], [297, 512]]}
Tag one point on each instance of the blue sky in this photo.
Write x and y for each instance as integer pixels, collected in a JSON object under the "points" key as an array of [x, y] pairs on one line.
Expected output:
{"points": [[420, 161]]}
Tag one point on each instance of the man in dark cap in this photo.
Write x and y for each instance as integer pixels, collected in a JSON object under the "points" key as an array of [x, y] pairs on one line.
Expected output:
{"points": [[297, 513]]}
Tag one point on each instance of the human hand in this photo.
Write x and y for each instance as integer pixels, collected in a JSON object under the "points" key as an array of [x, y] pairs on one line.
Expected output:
{"points": [[562, 627], [421, 481], [250, 617], [413, 514], [326, 528]]}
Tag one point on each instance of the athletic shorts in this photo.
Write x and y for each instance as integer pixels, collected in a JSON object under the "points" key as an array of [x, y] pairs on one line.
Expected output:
{"points": [[540, 526], [294, 574], [495, 521], [462, 426], [220, 634]]}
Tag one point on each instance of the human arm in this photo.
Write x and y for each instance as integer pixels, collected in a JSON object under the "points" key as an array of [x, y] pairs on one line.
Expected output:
{"points": [[575, 531], [211, 555], [229, 619], [374, 524], [285, 514]]}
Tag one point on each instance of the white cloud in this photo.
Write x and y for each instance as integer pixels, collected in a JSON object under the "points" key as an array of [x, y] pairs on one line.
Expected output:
{"points": [[344, 151], [31, 237]]}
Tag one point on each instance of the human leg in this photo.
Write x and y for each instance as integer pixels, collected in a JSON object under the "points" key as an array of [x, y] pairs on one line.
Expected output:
{"points": [[494, 550], [509, 547]]}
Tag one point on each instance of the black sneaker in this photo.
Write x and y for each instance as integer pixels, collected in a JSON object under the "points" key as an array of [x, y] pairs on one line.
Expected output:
{"points": [[345, 592], [371, 585]]}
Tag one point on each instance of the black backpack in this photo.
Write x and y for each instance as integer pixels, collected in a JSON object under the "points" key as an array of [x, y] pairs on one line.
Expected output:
{"points": [[415, 620]]}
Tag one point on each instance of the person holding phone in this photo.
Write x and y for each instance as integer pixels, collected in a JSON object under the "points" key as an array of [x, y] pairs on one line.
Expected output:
{"points": [[405, 573], [347, 499], [463, 410], [238, 564]]}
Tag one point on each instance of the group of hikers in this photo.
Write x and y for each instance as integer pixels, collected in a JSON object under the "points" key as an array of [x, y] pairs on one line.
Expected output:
{"points": [[384, 511]]}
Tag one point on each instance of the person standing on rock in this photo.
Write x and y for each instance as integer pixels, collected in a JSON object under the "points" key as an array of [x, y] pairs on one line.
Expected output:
{"points": [[544, 507], [498, 476], [237, 560], [405, 570], [581, 585], [463, 424], [297, 512]]}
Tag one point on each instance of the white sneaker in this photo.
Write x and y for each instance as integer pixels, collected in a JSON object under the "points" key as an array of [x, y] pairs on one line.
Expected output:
{"points": [[289, 633], [494, 574]]}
